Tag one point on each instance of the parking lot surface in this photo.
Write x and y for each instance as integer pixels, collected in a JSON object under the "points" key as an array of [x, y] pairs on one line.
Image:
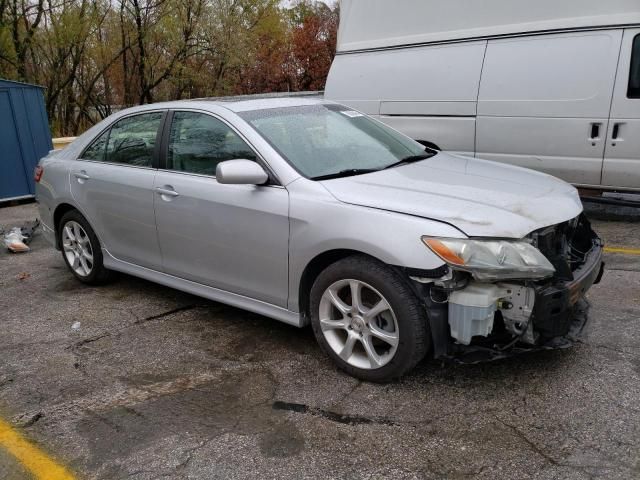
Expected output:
{"points": [[155, 383]]}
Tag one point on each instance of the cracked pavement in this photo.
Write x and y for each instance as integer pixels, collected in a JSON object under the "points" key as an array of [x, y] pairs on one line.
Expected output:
{"points": [[160, 384]]}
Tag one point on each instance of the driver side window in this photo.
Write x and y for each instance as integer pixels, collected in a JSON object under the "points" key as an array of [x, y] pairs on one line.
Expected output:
{"points": [[198, 142]]}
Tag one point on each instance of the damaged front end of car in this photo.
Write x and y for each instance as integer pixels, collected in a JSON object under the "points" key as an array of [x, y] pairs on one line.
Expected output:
{"points": [[496, 298]]}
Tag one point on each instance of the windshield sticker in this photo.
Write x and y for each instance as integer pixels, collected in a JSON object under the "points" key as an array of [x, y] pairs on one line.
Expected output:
{"points": [[351, 113]]}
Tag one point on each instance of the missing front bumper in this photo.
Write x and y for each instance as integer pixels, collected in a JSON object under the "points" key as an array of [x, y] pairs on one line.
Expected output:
{"points": [[470, 354], [558, 318], [552, 313]]}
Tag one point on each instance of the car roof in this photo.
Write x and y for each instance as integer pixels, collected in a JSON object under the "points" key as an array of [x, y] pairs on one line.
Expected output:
{"points": [[243, 103]]}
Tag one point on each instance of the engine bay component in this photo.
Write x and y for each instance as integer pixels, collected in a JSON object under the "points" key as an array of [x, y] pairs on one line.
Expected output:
{"points": [[472, 310], [476, 320], [516, 308]]}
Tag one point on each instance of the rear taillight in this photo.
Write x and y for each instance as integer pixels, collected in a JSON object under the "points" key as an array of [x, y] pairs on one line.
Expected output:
{"points": [[37, 173]]}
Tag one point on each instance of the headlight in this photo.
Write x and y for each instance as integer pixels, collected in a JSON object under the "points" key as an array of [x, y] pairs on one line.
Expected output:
{"points": [[492, 259]]}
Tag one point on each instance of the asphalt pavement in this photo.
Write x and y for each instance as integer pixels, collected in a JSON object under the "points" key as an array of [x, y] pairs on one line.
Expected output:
{"points": [[157, 383]]}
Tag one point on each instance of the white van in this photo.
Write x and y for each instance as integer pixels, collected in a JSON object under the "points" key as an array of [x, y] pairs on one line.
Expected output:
{"points": [[549, 85]]}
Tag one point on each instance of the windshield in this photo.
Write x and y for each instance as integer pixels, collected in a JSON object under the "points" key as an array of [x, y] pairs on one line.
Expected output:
{"points": [[326, 141]]}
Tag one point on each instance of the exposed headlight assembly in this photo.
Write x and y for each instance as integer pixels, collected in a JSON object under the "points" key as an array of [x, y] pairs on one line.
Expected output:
{"points": [[490, 260]]}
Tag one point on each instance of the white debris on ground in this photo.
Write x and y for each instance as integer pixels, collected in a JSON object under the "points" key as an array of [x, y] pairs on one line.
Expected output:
{"points": [[14, 241]]}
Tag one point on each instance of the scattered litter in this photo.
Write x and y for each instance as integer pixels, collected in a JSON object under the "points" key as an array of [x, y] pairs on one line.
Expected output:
{"points": [[18, 238], [75, 326], [23, 275], [28, 230], [14, 241]]}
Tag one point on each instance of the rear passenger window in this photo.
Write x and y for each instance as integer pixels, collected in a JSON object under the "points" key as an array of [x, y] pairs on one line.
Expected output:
{"points": [[634, 71], [198, 142], [97, 149], [132, 140]]}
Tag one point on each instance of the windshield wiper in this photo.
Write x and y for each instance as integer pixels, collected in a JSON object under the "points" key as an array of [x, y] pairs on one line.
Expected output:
{"points": [[345, 173], [357, 171], [410, 159]]}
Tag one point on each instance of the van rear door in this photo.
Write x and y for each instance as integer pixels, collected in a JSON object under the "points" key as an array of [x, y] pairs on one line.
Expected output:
{"points": [[544, 102], [622, 152]]}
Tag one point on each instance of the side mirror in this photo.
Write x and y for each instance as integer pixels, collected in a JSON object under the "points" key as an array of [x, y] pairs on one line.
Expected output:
{"points": [[241, 172]]}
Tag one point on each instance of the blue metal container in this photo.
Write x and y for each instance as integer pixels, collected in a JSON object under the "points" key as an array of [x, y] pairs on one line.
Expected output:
{"points": [[24, 137]]}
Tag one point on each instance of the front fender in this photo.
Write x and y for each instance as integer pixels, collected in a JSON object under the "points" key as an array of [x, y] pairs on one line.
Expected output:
{"points": [[319, 223]]}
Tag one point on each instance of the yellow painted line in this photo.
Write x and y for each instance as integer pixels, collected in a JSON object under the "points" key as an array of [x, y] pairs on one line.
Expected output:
{"points": [[627, 251], [41, 466]]}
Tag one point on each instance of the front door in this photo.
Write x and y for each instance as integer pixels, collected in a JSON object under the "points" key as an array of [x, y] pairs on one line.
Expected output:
{"points": [[112, 183], [622, 152], [231, 237]]}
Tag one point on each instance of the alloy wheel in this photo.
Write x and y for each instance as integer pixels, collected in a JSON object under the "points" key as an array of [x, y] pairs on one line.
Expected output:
{"points": [[359, 324], [77, 248]]}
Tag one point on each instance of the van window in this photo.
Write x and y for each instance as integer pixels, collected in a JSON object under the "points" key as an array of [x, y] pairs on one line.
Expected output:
{"points": [[634, 71]]}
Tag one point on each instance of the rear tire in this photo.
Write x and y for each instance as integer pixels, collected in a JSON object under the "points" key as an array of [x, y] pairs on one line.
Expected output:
{"points": [[383, 333], [81, 249]]}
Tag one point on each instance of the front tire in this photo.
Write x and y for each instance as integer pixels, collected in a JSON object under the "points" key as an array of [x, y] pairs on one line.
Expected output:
{"points": [[368, 320], [81, 249]]}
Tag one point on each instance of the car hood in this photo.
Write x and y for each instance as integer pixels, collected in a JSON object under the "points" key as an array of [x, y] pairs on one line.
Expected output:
{"points": [[479, 197]]}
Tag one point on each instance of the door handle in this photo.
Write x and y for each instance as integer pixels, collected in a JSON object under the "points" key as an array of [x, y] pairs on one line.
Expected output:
{"points": [[81, 176], [167, 190], [616, 130], [594, 132], [615, 133]]}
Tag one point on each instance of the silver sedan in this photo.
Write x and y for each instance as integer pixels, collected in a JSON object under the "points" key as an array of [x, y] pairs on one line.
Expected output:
{"points": [[307, 211]]}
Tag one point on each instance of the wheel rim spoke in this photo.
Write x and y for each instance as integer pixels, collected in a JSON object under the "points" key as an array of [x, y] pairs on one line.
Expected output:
{"points": [[87, 255], [356, 295], [69, 233], [339, 304], [84, 265], [374, 359], [328, 324], [377, 309], [347, 349], [388, 337]]}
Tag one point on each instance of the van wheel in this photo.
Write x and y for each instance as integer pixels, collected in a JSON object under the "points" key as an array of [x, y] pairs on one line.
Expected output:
{"points": [[81, 249], [368, 320]]}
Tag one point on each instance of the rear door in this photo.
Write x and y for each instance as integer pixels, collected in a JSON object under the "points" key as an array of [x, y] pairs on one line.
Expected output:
{"points": [[231, 237], [112, 182], [544, 102], [622, 152]]}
